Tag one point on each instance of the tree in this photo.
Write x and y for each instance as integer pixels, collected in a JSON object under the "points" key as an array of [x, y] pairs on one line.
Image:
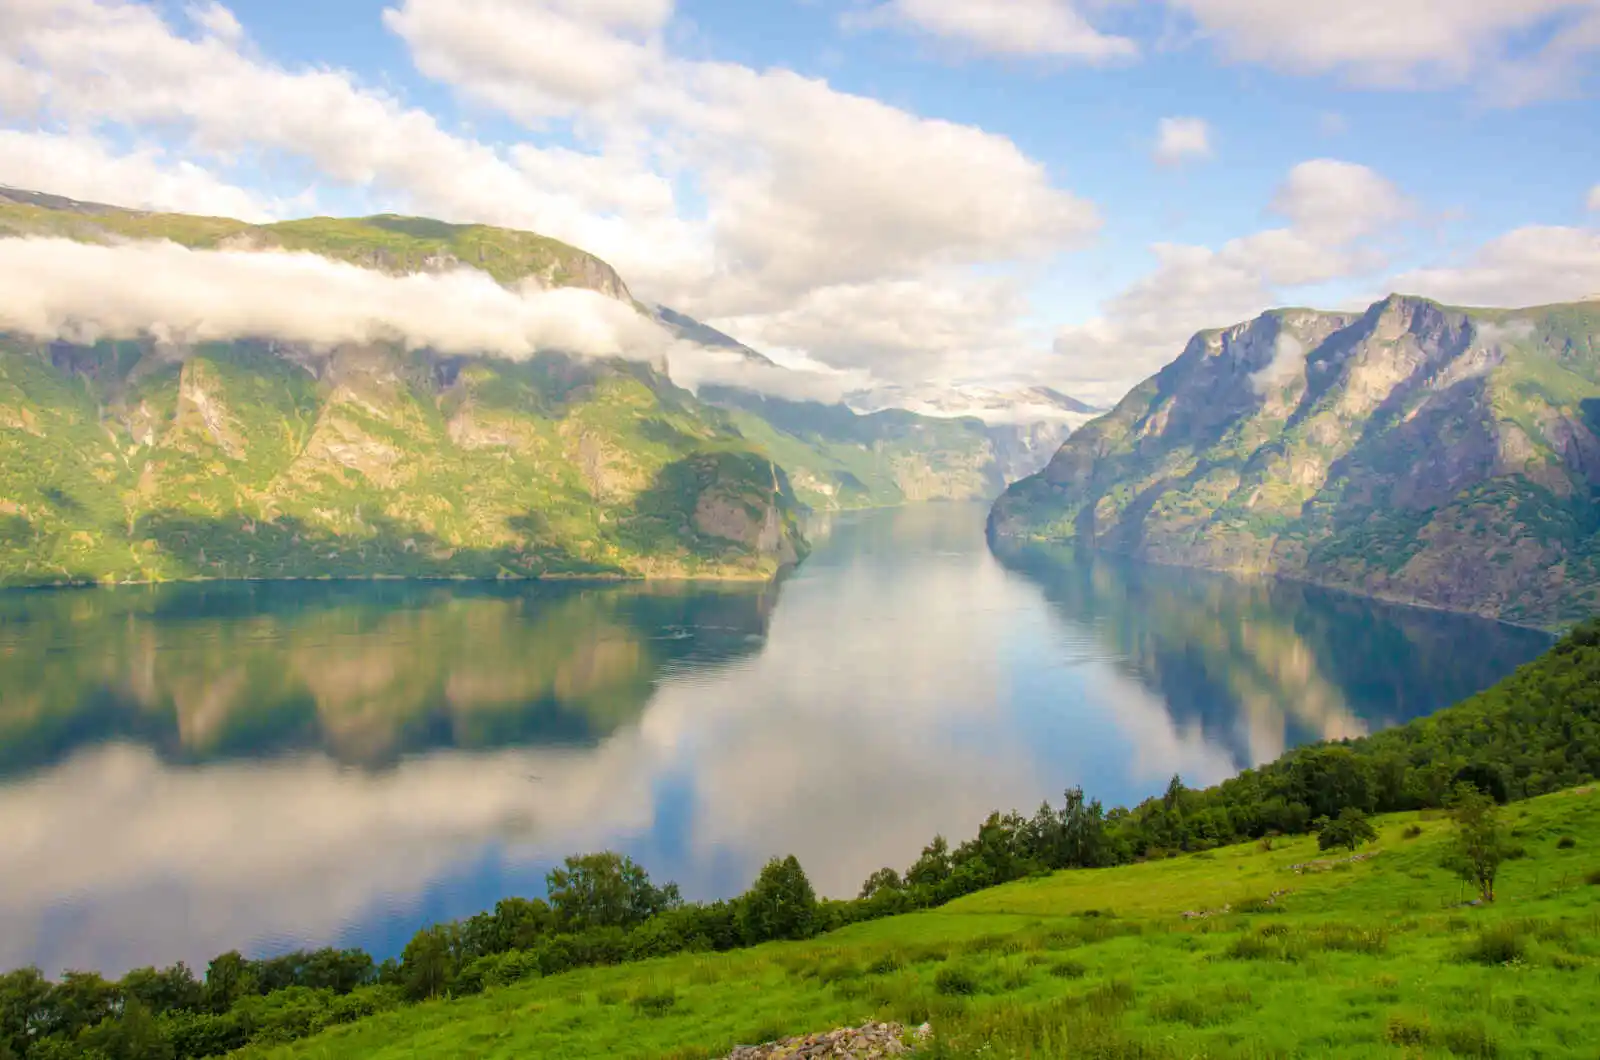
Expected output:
{"points": [[134, 1035], [882, 880], [781, 903], [606, 890], [22, 997], [1349, 830], [427, 964], [933, 867], [1480, 846]]}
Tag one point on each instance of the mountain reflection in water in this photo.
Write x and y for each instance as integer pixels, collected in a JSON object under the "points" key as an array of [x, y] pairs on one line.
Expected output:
{"points": [[189, 769]]}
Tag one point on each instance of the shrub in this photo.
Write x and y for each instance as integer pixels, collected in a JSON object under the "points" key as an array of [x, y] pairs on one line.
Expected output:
{"points": [[1566, 842], [955, 982], [886, 964], [1500, 944], [1405, 1029], [655, 1004], [1411, 832], [1470, 1039], [1593, 878], [1068, 970]]}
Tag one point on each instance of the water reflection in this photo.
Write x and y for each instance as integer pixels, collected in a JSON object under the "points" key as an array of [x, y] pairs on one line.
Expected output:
{"points": [[193, 769], [1259, 666]]}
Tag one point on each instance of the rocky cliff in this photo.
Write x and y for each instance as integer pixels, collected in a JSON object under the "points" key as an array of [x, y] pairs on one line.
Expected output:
{"points": [[1415, 452]]}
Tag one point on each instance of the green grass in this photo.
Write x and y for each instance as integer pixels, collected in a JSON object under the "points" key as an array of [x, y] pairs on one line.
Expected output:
{"points": [[1367, 960]]}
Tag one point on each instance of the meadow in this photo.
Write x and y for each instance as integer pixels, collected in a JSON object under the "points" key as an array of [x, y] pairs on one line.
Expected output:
{"points": [[1376, 957]]}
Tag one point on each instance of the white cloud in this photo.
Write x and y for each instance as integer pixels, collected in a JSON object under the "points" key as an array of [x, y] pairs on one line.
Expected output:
{"points": [[1410, 43], [59, 288], [1528, 266], [1335, 201], [1331, 206], [115, 63], [85, 168], [1288, 361], [879, 195], [1179, 139], [941, 327], [1019, 27], [535, 60]]}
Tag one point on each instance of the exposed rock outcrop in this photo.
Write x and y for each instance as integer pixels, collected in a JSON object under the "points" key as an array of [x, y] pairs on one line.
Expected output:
{"points": [[1415, 452]]}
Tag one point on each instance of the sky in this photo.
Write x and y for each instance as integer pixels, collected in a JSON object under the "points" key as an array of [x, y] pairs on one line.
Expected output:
{"points": [[912, 193]]}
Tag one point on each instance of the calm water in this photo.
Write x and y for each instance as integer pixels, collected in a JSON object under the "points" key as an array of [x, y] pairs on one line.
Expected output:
{"points": [[191, 769]]}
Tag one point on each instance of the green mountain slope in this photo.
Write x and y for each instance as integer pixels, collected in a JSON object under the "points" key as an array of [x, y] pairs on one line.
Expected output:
{"points": [[129, 460], [1415, 452]]}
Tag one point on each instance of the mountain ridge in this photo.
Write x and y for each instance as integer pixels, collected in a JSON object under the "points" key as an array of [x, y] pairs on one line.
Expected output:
{"points": [[1423, 453]]}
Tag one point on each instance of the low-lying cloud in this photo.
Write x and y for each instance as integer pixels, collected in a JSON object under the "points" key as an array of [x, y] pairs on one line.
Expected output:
{"points": [[1288, 361], [82, 292]]}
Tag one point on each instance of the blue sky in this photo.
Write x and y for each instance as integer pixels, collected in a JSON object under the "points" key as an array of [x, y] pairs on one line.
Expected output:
{"points": [[906, 192]]}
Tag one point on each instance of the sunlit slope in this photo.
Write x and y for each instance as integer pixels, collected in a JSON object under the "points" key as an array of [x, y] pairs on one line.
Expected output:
{"points": [[1415, 451], [121, 462], [1361, 959]]}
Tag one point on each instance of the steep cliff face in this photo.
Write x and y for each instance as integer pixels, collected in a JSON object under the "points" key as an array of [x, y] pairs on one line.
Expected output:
{"points": [[1415, 452], [125, 461]]}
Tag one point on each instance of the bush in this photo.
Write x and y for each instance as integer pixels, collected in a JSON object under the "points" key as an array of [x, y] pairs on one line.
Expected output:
{"points": [[1470, 1039], [955, 982], [885, 965], [1566, 842], [1500, 944], [1406, 1029], [1068, 970], [1349, 830], [655, 1004], [1593, 878], [1412, 831]]}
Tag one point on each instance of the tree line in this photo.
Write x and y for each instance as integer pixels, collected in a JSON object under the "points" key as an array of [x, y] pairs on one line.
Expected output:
{"points": [[1535, 732]]}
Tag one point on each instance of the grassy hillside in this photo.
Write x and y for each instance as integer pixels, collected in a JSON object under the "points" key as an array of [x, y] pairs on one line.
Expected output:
{"points": [[1374, 958], [1416, 452]]}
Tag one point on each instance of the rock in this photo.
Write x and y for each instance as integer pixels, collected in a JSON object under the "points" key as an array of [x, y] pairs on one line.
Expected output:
{"points": [[870, 1041]]}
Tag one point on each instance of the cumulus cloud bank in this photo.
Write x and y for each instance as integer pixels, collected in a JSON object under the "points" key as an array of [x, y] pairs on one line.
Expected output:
{"points": [[60, 289]]}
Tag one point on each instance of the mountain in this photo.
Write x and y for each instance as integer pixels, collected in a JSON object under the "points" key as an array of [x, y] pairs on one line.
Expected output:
{"points": [[1034, 404], [1416, 452], [687, 328], [864, 453], [838, 458], [139, 460]]}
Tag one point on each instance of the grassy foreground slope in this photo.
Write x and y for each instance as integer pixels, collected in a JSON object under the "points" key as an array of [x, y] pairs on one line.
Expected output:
{"points": [[1373, 958]]}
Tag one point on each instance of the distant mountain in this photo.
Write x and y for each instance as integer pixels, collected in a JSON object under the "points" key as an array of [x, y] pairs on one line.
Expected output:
{"points": [[1414, 451], [839, 458], [1034, 404]]}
